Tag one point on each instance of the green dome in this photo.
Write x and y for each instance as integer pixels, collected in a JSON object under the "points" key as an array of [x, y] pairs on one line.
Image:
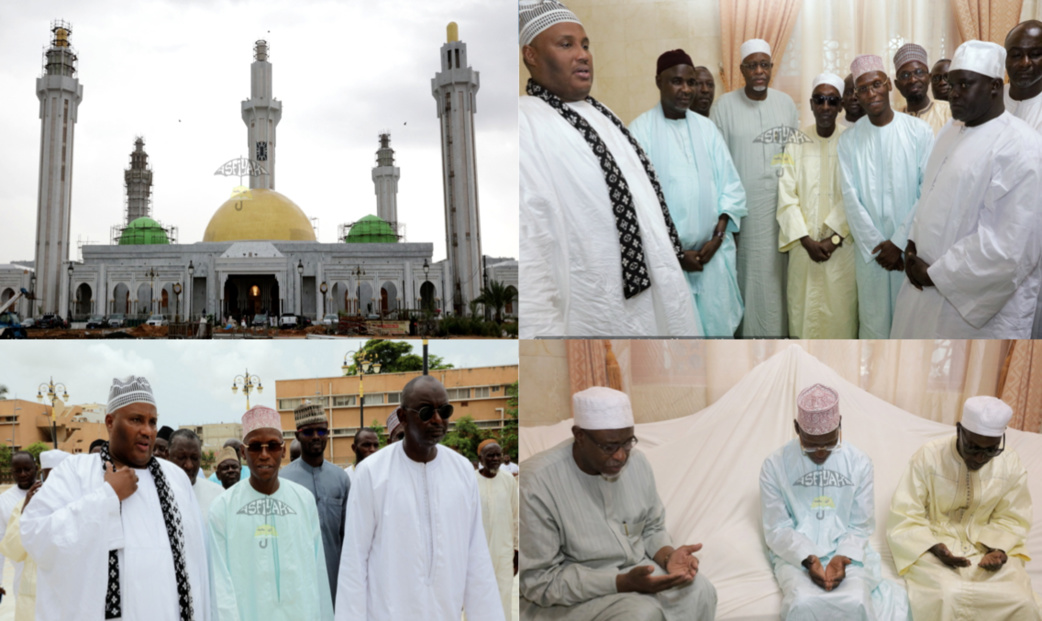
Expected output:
{"points": [[371, 230], [143, 231]]}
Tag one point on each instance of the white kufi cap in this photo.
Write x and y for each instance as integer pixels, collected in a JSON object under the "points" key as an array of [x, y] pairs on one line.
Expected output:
{"points": [[986, 416], [752, 46], [829, 78], [535, 16], [982, 57], [602, 408], [50, 459], [131, 389]]}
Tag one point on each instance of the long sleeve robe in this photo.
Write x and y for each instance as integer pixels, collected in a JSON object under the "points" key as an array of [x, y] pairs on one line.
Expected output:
{"points": [[881, 172], [936, 115], [415, 547], [939, 500], [827, 511], [822, 296], [979, 227], [8, 501], [580, 531], [755, 133], [266, 555], [1029, 111], [499, 517], [11, 547], [571, 272], [76, 518], [701, 184]]}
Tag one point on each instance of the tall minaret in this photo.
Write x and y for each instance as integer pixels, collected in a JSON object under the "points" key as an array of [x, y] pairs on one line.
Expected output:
{"points": [[454, 87], [60, 93], [385, 177], [138, 181], [261, 113]]}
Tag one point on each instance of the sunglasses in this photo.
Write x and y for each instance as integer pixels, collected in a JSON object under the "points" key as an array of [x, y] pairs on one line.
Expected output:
{"points": [[973, 449], [272, 447], [426, 412], [831, 99], [314, 431]]}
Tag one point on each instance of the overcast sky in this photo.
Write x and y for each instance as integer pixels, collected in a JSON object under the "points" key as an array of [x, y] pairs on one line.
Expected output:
{"points": [[176, 72], [192, 379]]}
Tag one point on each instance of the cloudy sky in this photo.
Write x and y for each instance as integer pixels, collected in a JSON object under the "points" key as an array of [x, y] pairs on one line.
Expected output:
{"points": [[176, 72], [192, 379]]}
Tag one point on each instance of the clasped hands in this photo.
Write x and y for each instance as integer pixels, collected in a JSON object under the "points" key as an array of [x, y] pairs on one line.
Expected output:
{"points": [[680, 564], [992, 561], [830, 576]]}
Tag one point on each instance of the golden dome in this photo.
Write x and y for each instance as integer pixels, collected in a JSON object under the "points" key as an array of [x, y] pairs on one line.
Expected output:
{"points": [[266, 215]]}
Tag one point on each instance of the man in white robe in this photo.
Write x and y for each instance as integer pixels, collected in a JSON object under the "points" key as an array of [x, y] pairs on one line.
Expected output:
{"points": [[186, 450], [414, 522], [119, 532], [599, 253], [757, 122], [959, 522], [702, 188], [912, 79], [497, 489], [1023, 95], [881, 161], [974, 254], [818, 513], [593, 528], [23, 468], [822, 291]]}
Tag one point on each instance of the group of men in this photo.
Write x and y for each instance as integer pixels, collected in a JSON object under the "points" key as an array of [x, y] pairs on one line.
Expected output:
{"points": [[596, 546], [918, 223], [120, 533]]}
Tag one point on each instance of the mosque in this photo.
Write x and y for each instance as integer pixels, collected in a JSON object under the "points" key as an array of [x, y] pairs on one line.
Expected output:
{"points": [[259, 253]]}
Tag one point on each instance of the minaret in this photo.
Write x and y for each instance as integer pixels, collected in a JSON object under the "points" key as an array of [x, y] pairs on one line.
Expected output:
{"points": [[138, 182], [261, 113], [60, 93], [385, 177], [454, 87]]}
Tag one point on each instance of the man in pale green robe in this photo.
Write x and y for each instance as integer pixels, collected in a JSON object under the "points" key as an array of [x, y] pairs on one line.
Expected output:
{"points": [[959, 522], [703, 192], [822, 291], [757, 122]]}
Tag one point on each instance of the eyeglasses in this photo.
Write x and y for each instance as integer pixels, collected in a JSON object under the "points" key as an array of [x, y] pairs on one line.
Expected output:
{"points": [[820, 100], [828, 449], [940, 77], [766, 65], [311, 432], [973, 449], [904, 75], [426, 411], [258, 447], [874, 86], [611, 449]]}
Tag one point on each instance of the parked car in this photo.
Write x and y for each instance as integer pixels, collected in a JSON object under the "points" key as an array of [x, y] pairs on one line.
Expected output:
{"points": [[117, 320], [97, 321], [158, 320], [29, 322], [331, 319], [289, 321], [50, 322], [260, 320]]}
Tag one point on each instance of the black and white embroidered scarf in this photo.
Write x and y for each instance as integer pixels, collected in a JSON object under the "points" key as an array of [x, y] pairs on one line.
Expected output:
{"points": [[174, 530], [635, 277]]}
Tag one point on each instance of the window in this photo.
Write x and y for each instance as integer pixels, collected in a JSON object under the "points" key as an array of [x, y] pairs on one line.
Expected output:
{"points": [[376, 399], [481, 393], [394, 397], [288, 404], [341, 401], [455, 394]]}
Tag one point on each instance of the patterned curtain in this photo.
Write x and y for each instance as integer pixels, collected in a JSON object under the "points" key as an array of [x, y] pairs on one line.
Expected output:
{"points": [[987, 20], [741, 20], [1023, 363], [586, 364]]}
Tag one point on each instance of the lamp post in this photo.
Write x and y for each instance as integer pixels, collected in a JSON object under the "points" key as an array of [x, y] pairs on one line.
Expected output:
{"points": [[152, 273], [70, 294], [300, 282], [13, 423], [359, 272], [367, 362], [32, 288], [323, 288], [249, 384], [52, 393], [191, 288], [177, 296]]}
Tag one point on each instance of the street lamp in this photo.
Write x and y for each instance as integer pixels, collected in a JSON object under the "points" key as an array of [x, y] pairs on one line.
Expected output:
{"points": [[359, 272], [191, 285], [152, 273], [70, 296], [367, 362], [300, 280], [52, 393], [323, 288], [177, 296], [249, 384], [32, 288]]}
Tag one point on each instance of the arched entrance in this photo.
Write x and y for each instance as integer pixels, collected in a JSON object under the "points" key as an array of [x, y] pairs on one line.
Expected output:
{"points": [[427, 296], [120, 300], [247, 295], [388, 297], [365, 298], [7, 294], [82, 306], [511, 299], [144, 300]]}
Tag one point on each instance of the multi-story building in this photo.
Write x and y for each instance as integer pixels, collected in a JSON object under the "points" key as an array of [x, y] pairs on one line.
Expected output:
{"points": [[24, 422]]}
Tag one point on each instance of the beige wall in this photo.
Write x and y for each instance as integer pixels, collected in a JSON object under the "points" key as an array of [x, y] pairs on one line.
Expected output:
{"points": [[546, 398], [27, 422]]}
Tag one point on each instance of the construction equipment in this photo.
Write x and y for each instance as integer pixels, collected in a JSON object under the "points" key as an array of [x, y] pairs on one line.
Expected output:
{"points": [[10, 324]]}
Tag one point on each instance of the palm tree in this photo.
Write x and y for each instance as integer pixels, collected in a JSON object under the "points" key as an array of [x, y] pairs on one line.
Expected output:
{"points": [[496, 295]]}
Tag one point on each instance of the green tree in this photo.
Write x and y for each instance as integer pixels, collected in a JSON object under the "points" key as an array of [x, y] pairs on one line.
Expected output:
{"points": [[509, 436], [206, 463], [5, 463], [36, 448], [464, 438], [497, 295], [381, 432], [394, 357]]}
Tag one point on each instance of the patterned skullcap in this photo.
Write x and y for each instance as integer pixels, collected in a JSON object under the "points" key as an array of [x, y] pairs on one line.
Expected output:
{"points": [[393, 424], [908, 53], [866, 63], [226, 454], [817, 410], [49, 460], [828, 78], [535, 16], [672, 58], [260, 417], [753, 46], [602, 408], [308, 413], [986, 416], [983, 57], [129, 390]]}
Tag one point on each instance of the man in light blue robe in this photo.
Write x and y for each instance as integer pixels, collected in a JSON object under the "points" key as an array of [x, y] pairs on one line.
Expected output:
{"points": [[703, 192], [816, 498], [882, 159]]}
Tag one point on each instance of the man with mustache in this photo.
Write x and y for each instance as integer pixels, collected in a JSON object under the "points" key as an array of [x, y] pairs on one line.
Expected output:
{"points": [[974, 252], [599, 251], [960, 517], [593, 528], [881, 163], [704, 194], [756, 122], [913, 81], [414, 519]]}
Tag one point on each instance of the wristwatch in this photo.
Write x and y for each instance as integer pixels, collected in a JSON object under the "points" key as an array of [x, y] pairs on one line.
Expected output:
{"points": [[837, 241]]}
